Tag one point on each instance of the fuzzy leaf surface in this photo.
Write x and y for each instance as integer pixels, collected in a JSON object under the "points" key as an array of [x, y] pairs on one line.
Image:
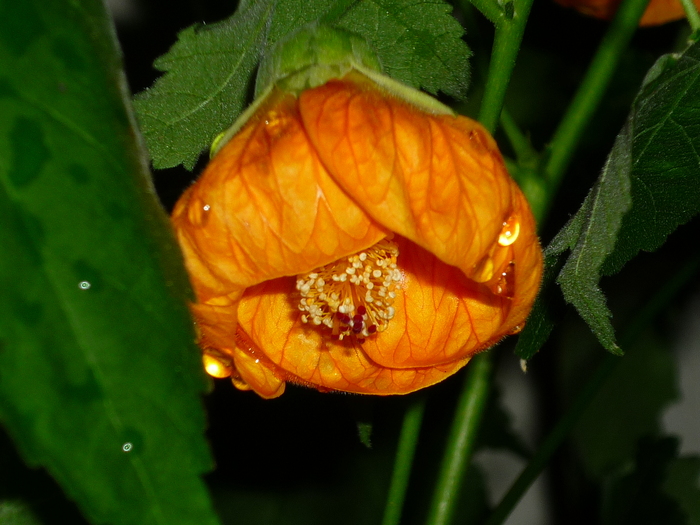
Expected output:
{"points": [[591, 235], [210, 69], [650, 185], [418, 42], [665, 172], [100, 381], [207, 76]]}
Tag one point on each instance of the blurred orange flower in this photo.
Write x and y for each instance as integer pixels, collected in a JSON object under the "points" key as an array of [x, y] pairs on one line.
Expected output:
{"points": [[658, 11], [347, 240]]}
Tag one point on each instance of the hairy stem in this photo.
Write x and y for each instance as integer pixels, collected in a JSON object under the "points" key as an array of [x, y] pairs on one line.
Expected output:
{"points": [[510, 27], [691, 13], [460, 442]]}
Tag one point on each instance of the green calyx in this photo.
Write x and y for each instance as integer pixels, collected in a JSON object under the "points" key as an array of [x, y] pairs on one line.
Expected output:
{"points": [[312, 56]]}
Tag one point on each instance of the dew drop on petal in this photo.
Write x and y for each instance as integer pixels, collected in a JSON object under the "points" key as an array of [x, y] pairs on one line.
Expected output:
{"points": [[510, 231], [505, 286], [84, 285], [214, 367], [197, 212]]}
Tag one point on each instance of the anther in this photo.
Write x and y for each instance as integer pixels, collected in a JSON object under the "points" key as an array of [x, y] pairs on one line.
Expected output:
{"points": [[352, 296]]}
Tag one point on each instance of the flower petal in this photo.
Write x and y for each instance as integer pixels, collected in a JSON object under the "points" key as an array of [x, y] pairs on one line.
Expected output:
{"points": [[308, 356], [437, 180], [308, 182], [265, 207], [257, 376], [528, 266], [440, 315], [657, 12]]}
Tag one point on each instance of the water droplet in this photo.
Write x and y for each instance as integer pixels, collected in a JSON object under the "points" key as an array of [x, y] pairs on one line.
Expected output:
{"points": [[197, 212], [215, 367], [484, 270], [127, 447], [510, 231], [87, 277], [504, 286]]}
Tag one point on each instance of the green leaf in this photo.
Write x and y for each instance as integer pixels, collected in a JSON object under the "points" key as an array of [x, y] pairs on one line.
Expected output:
{"points": [[208, 75], [207, 78], [665, 176], [639, 497], [208, 72], [100, 381], [591, 235], [649, 186], [418, 42], [626, 408]]}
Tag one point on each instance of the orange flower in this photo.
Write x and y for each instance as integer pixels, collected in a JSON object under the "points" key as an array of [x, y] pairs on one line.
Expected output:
{"points": [[658, 11], [347, 240]]}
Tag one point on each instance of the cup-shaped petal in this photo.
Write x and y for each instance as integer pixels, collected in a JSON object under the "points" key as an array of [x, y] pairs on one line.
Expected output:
{"points": [[266, 207], [310, 183]]}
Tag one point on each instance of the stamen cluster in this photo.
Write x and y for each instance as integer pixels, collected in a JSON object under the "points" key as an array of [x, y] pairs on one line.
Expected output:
{"points": [[353, 296]]}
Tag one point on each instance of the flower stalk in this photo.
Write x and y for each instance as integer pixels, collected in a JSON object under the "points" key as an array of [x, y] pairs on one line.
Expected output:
{"points": [[461, 439], [510, 27], [405, 452]]}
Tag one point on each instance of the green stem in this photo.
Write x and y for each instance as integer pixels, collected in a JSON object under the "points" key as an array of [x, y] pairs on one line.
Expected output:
{"points": [[564, 426], [591, 91], [518, 141], [489, 9], [408, 439], [461, 440], [691, 13], [506, 44]]}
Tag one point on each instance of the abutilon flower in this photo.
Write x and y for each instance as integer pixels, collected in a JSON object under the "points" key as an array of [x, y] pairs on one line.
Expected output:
{"points": [[658, 12], [348, 239]]}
